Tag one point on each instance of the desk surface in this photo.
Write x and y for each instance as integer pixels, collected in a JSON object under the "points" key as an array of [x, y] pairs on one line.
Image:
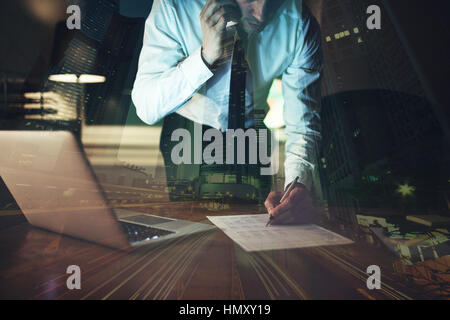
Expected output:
{"points": [[199, 266]]}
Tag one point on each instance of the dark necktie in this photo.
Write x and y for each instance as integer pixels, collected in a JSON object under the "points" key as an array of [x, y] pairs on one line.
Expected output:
{"points": [[236, 109]]}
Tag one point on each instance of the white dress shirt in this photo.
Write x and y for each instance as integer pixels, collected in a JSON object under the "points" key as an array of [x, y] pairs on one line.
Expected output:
{"points": [[172, 76]]}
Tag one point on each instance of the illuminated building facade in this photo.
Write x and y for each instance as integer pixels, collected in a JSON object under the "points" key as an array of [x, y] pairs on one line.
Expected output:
{"points": [[75, 52], [108, 45], [380, 132]]}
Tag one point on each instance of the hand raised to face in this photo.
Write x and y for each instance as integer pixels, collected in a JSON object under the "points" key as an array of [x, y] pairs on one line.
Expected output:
{"points": [[213, 20]]}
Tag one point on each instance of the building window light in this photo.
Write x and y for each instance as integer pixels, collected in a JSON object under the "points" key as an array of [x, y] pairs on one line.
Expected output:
{"points": [[406, 190]]}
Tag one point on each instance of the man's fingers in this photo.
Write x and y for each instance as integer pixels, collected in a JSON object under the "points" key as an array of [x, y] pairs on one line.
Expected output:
{"points": [[212, 6], [295, 216], [296, 201], [281, 208], [285, 219], [283, 216], [294, 198], [206, 7], [216, 17], [297, 194], [269, 206], [273, 199], [208, 10], [296, 208], [221, 24]]}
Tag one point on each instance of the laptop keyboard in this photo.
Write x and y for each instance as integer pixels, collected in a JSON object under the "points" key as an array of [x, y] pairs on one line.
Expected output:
{"points": [[136, 232]]}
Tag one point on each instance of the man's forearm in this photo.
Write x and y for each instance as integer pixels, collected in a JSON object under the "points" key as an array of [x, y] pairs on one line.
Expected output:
{"points": [[157, 94]]}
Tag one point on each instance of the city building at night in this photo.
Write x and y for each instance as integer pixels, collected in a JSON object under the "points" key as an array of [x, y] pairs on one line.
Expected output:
{"points": [[380, 131]]}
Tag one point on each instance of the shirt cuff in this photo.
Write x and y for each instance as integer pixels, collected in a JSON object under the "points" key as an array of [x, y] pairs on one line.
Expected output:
{"points": [[195, 70], [303, 173]]}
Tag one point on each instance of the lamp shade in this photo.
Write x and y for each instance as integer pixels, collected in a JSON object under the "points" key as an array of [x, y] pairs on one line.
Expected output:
{"points": [[73, 78]]}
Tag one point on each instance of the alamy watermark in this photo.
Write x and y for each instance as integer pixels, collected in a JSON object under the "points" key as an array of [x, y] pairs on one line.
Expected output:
{"points": [[73, 22], [74, 280], [374, 20], [257, 147], [374, 280]]}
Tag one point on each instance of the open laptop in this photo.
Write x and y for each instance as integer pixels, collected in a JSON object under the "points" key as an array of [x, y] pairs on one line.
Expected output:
{"points": [[52, 181]]}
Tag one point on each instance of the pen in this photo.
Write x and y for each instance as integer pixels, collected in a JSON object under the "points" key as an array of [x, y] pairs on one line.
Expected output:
{"points": [[286, 193]]}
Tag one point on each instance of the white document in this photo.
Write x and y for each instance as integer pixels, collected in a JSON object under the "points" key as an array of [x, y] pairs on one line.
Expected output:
{"points": [[251, 233]]}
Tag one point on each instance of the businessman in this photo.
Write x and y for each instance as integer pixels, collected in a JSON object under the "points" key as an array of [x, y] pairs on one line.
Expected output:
{"points": [[196, 68]]}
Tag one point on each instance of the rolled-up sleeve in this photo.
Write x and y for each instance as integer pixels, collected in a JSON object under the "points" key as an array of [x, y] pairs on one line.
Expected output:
{"points": [[166, 76], [302, 94]]}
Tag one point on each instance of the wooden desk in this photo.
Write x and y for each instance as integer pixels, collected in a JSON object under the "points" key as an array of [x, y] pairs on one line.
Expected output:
{"points": [[209, 265]]}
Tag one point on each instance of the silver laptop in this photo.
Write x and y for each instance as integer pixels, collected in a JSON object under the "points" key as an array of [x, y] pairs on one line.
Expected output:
{"points": [[51, 180]]}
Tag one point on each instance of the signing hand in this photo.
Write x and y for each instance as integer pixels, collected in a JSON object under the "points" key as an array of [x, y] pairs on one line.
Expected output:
{"points": [[296, 208], [213, 19]]}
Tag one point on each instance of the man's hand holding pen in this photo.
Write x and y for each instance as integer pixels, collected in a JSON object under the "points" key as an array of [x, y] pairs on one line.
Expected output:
{"points": [[294, 208]]}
